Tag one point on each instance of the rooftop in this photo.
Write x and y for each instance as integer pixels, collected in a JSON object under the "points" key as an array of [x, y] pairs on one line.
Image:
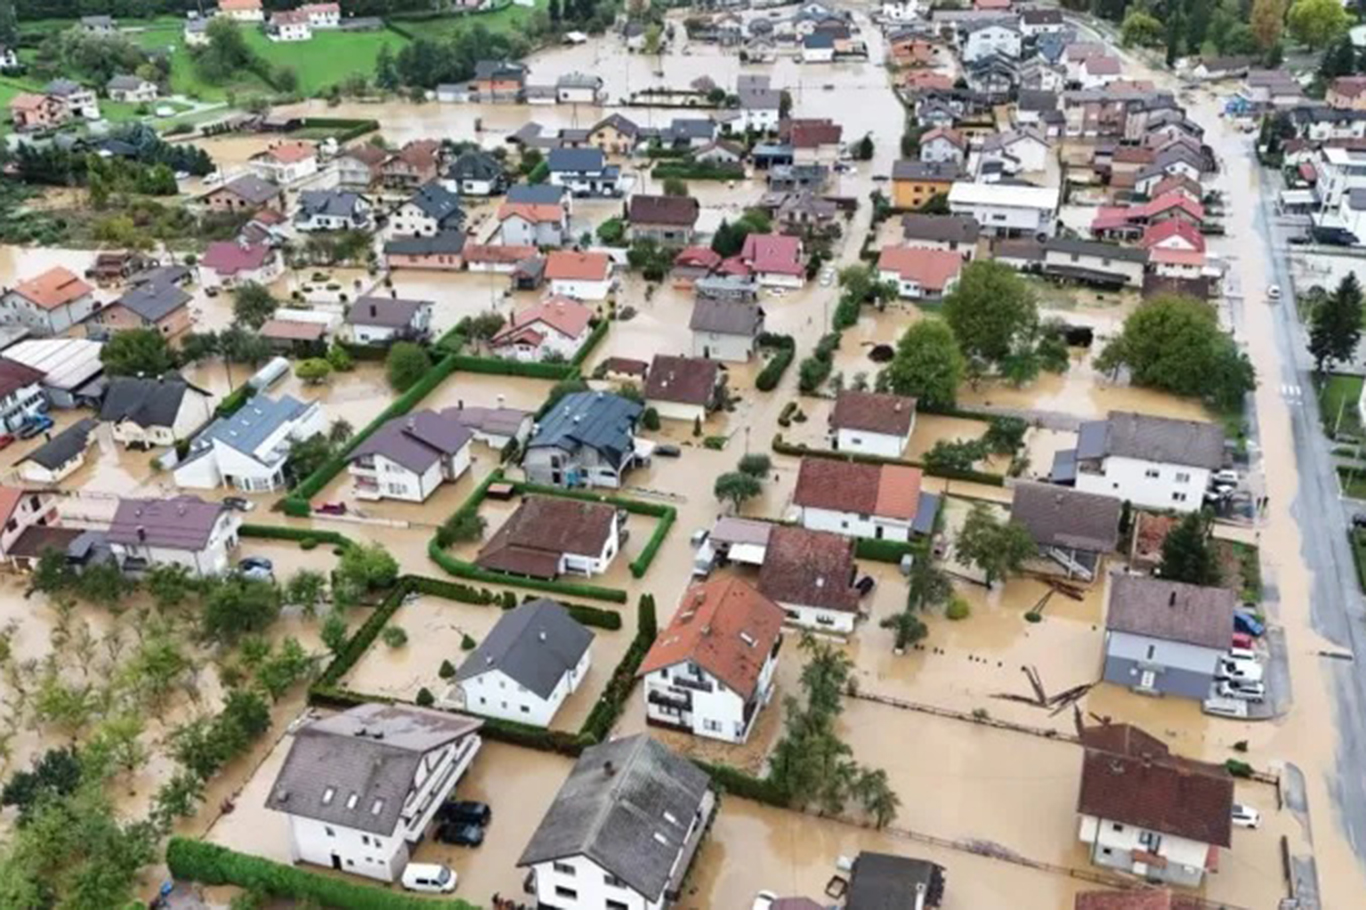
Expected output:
{"points": [[65, 446], [873, 412], [1063, 517], [671, 210], [1172, 611], [1147, 438], [54, 288], [182, 523], [534, 645], [940, 228], [598, 420], [146, 401], [567, 265], [888, 491], [809, 568], [416, 440], [544, 528], [385, 311], [931, 269], [688, 380], [725, 317]]}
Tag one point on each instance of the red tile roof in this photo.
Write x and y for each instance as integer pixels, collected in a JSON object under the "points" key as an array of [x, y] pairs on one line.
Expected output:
{"points": [[228, 257], [679, 211], [686, 380], [53, 288], [774, 253], [931, 269], [494, 253], [940, 132], [814, 134], [1156, 234], [27, 101], [290, 152], [698, 257], [873, 412], [566, 316], [1164, 202], [536, 213], [888, 491], [1158, 899], [542, 530], [809, 568], [571, 266]]}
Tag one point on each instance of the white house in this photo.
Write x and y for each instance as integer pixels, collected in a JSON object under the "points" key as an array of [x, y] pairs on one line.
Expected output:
{"points": [[982, 39], [725, 329], [242, 10], [882, 502], [362, 787], [21, 394], [1094, 262], [810, 574], [322, 15], [759, 106], [550, 536], [29, 523], [941, 144], [532, 224], [184, 531], [384, 320], [900, 10], [584, 172], [47, 304], [919, 273], [286, 162], [1166, 637], [247, 451], [1149, 813], [429, 211], [818, 47], [1006, 210], [683, 388], [587, 439], [1153, 462], [554, 328], [475, 173], [226, 263], [60, 456], [289, 25], [711, 671], [579, 88], [154, 411], [332, 210], [196, 32], [78, 100], [1027, 147], [622, 831], [872, 423], [133, 89], [775, 259], [583, 276], [534, 657], [408, 457]]}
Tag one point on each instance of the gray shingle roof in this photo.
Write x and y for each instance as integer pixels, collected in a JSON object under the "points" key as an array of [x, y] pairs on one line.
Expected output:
{"points": [[881, 881], [447, 242], [726, 317], [1128, 435], [251, 188], [416, 441], [337, 203], [1059, 516], [1171, 610], [65, 446], [536, 194], [597, 420], [372, 752], [475, 165], [154, 300], [384, 311], [435, 201], [627, 805], [1096, 248], [182, 523], [535, 645], [925, 170], [125, 83], [940, 228], [574, 160], [148, 402]]}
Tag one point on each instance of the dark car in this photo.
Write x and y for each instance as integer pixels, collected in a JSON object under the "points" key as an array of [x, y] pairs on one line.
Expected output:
{"points": [[238, 504], [865, 585], [331, 508], [462, 835], [1333, 236], [668, 451], [34, 426], [1359, 520], [465, 812]]}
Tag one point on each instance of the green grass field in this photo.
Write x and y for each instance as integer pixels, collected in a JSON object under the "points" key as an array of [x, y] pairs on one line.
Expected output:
{"points": [[329, 57], [510, 18], [1338, 395]]}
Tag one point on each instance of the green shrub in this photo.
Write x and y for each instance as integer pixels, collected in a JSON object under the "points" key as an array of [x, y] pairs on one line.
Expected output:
{"points": [[308, 538], [773, 371], [499, 366], [744, 785], [425, 698], [447, 670], [885, 550], [308, 543], [957, 609], [462, 569], [1238, 768], [716, 443], [642, 562], [1033, 616], [466, 644], [649, 419], [394, 636], [594, 338], [233, 401]]}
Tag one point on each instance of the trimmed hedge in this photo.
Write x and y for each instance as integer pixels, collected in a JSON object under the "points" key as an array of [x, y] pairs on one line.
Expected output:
{"points": [[500, 366], [596, 617], [783, 447], [211, 864], [642, 562], [742, 784], [365, 636], [885, 550], [612, 702], [542, 739], [636, 506], [351, 127], [275, 532], [594, 338], [233, 401], [785, 350], [371, 353], [452, 342], [461, 569], [697, 170]]}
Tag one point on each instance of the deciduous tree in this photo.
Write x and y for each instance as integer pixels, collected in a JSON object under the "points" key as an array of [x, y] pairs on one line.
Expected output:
{"points": [[406, 364], [1268, 21], [133, 352], [252, 305], [1314, 23], [1335, 324], [928, 365], [995, 547], [991, 310], [736, 487]]}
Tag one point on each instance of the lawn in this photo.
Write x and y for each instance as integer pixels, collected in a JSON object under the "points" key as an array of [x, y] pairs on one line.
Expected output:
{"points": [[329, 57], [507, 19], [1338, 397]]}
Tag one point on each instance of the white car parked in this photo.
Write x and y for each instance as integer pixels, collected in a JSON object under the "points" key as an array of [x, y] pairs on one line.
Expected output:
{"points": [[1242, 670], [1247, 691], [1246, 816], [763, 900]]}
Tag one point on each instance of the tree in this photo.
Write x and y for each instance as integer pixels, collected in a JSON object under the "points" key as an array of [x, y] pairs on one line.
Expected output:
{"points": [[55, 774], [928, 585], [863, 151], [1140, 29], [1315, 23], [755, 464], [197, 346], [236, 606], [252, 305], [1188, 552], [340, 359], [927, 365], [367, 568], [675, 186], [906, 627], [334, 633], [482, 326], [996, 548], [463, 526], [313, 370], [647, 620], [1268, 19], [137, 351], [307, 456], [991, 310], [955, 455], [406, 364], [613, 231], [735, 487], [305, 589], [169, 584], [653, 34], [339, 431], [386, 73], [1176, 344], [1335, 325]]}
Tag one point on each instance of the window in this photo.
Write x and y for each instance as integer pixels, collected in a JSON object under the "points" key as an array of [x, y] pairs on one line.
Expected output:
{"points": [[711, 726], [352, 800], [563, 868], [1183, 477], [365, 839], [1117, 826], [1178, 497], [610, 879], [1152, 472], [1152, 649], [562, 891], [525, 709], [330, 832]]}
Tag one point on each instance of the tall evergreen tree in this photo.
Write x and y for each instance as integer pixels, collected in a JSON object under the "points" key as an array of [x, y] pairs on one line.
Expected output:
{"points": [[1336, 325]]}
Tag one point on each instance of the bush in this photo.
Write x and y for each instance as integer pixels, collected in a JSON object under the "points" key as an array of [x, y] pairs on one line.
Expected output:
{"points": [[957, 609], [406, 364], [649, 419], [499, 366], [233, 401], [394, 636], [715, 443], [308, 538], [1238, 768], [642, 562], [885, 550], [425, 698], [447, 670], [773, 371], [466, 644], [744, 785], [462, 569]]}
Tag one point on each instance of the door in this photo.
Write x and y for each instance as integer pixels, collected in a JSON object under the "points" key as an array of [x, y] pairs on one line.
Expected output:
{"points": [[336, 862], [1148, 679]]}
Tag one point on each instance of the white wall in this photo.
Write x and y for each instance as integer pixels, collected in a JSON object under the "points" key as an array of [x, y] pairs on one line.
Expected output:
{"points": [[593, 563], [494, 694], [1188, 856], [213, 559], [582, 290], [836, 622], [717, 714], [578, 883], [852, 524], [884, 444], [674, 410], [994, 40], [394, 481], [717, 346], [1145, 483]]}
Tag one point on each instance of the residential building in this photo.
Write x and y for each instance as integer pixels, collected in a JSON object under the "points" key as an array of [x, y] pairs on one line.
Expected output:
{"points": [[498, 80], [1041, 21], [332, 210], [49, 303], [384, 320], [29, 525], [584, 172], [533, 224], [476, 173], [1007, 210], [668, 220], [358, 167], [247, 193], [882, 502], [769, 155], [247, 450], [1142, 899], [133, 89], [1166, 637], [918, 273], [361, 788], [414, 165], [31, 112], [1153, 462], [1347, 93], [943, 145], [161, 305], [289, 25], [688, 133], [725, 330], [818, 47], [622, 831], [872, 423], [59, 457], [915, 183], [955, 233], [432, 210], [810, 574], [982, 39], [182, 531], [196, 32], [1209, 69], [21, 394], [721, 152], [583, 276], [759, 108], [775, 259], [879, 881], [614, 135], [813, 141], [710, 672], [553, 329], [533, 658], [98, 25], [8, 58], [78, 100], [409, 456], [226, 263], [241, 10], [587, 439], [579, 88], [443, 252], [1149, 813], [550, 536], [684, 388], [71, 368], [154, 411], [323, 15], [1094, 262], [285, 162], [1074, 530], [494, 427]]}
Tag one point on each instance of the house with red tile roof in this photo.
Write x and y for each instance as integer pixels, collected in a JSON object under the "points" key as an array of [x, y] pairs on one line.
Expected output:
{"points": [[920, 274], [289, 25], [47, 304], [533, 224], [692, 263], [242, 10], [881, 502], [710, 672], [810, 574], [555, 328], [814, 141], [496, 257], [941, 144], [776, 260], [584, 276], [684, 388], [226, 263], [1173, 234], [550, 536], [29, 524], [29, 112], [285, 162]]}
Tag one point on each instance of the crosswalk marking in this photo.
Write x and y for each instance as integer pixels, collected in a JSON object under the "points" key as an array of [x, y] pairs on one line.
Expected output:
{"points": [[1290, 391]]}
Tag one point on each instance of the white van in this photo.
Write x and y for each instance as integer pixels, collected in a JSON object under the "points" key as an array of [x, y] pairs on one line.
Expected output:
{"points": [[428, 877]]}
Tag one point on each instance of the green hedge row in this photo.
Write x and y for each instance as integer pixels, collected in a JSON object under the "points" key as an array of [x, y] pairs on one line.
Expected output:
{"points": [[635, 506], [783, 447], [612, 702], [233, 401], [697, 170], [452, 342], [500, 366], [276, 532], [468, 507], [461, 569], [351, 127], [740, 783], [367, 352], [596, 617], [885, 550], [594, 338], [365, 636], [539, 738], [773, 371], [211, 864], [641, 564]]}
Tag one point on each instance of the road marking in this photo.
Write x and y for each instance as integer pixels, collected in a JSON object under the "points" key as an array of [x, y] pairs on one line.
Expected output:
{"points": [[1290, 391]]}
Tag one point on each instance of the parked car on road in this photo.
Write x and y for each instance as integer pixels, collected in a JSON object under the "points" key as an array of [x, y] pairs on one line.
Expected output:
{"points": [[1359, 520], [432, 877], [1229, 668], [238, 504], [1244, 689], [1245, 622], [35, 425], [331, 508], [459, 834]]}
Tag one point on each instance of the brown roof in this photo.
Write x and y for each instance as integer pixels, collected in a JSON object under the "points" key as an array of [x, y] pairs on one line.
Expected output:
{"points": [[292, 330], [873, 412], [15, 376], [808, 134], [55, 287], [1171, 610], [568, 265], [724, 626], [1156, 899], [686, 380], [536, 213], [371, 155], [890, 491], [1061, 516], [1130, 777], [626, 365], [809, 568], [673, 210], [290, 152], [542, 530]]}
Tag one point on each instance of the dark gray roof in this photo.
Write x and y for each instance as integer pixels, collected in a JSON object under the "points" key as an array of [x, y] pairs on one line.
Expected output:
{"points": [[65, 446], [383, 311], [182, 523], [880, 881], [416, 440], [760, 99], [125, 82], [576, 160], [435, 201], [1041, 16], [691, 129], [252, 188], [1171, 610], [597, 420], [1095, 248], [372, 752], [1129, 435], [148, 402], [726, 317], [62, 87], [535, 645], [925, 170], [449, 242], [1034, 100], [339, 203], [627, 805], [499, 69], [536, 194], [1063, 517], [154, 300], [942, 228], [475, 165]]}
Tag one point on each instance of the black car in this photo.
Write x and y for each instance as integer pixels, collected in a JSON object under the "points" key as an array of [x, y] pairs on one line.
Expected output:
{"points": [[668, 451], [1359, 520], [465, 812], [865, 585], [460, 834]]}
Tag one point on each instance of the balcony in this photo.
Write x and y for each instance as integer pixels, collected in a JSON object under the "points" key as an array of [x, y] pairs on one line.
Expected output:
{"points": [[696, 685]]}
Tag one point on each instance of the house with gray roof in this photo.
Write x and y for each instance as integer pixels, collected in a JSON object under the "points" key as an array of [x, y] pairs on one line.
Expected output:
{"points": [[361, 788], [1153, 462], [530, 662], [495, 427], [384, 320], [247, 450], [332, 210], [584, 172], [883, 881], [159, 304], [631, 814], [61, 455], [134, 89], [184, 531], [146, 411], [432, 209], [725, 329], [1074, 530], [244, 194], [586, 439], [408, 457], [1094, 262], [476, 173], [1166, 637]]}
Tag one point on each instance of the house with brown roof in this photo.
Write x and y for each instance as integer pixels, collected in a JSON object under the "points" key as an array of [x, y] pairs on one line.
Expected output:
{"points": [[684, 388], [359, 166], [285, 162], [1347, 93], [725, 330], [553, 329], [1147, 812], [710, 672], [814, 141], [1166, 637], [30, 524], [247, 193], [411, 166], [227, 263], [408, 457], [872, 423], [183, 531], [29, 112], [534, 224], [48, 304], [882, 502], [668, 220], [918, 273], [384, 320], [584, 276], [810, 574], [550, 536], [1074, 530]]}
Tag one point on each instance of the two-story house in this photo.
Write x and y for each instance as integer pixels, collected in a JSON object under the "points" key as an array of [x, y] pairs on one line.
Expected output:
{"points": [[533, 224], [361, 788], [227, 263], [29, 524], [954, 233], [919, 273], [1094, 262], [289, 25], [133, 89], [587, 439], [553, 329], [431, 210], [78, 100], [684, 388], [332, 210], [21, 393], [1074, 530], [182, 531], [614, 135], [31, 112], [146, 411], [244, 194], [550, 536], [668, 220], [1013, 210], [883, 502], [384, 320], [725, 330], [583, 276], [710, 672], [776, 260], [47, 304], [241, 10], [810, 574], [160, 304], [417, 163], [533, 658], [247, 451], [285, 162], [915, 183], [1166, 637], [498, 80], [623, 830], [476, 173], [409, 456], [984, 38], [584, 172], [1154, 462], [872, 423]]}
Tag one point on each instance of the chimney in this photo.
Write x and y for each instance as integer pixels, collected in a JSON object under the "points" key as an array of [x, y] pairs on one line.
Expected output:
{"points": [[142, 533], [1171, 599], [372, 309], [609, 769]]}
